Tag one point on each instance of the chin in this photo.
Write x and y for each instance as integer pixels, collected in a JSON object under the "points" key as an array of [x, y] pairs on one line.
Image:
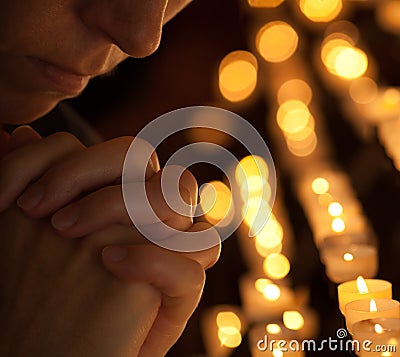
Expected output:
{"points": [[26, 109]]}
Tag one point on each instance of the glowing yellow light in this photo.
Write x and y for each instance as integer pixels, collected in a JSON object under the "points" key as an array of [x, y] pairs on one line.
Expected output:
{"points": [[388, 14], [302, 148], [363, 90], [293, 320], [215, 201], [255, 213], [335, 209], [321, 10], [372, 306], [229, 336], [351, 63], [277, 353], [378, 328], [238, 75], [320, 186], [276, 41], [325, 199], [391, 98], [261, 284], [295, 89], [273, 329], [272, 292], [348, 257], [303, 134], [330, 49], [228, 318], [338, 225], [276, 266], [265, 3], [293, 116], [250, 166], [362, 285]]}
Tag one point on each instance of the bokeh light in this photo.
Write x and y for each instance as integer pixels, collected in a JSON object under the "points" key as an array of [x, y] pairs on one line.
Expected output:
{"points": [[238, 75], [293, 320], [265, 3], [294, 89], [320, 185], [321, 10], [338, 225], [363, 90], [216, 202], [276, 266], [276, 41]]}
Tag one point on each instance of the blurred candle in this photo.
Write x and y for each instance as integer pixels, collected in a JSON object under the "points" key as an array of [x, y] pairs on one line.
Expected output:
{"points": [[262, 299], [382, 332], [365, 309], [363, 289], [346, 262]]}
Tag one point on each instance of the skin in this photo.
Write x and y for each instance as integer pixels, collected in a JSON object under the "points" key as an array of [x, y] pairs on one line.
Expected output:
{"points": [[86, 37], [128, 300]]}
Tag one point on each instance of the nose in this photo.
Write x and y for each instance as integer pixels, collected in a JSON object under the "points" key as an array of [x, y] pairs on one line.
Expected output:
{"points": [[135, 26]]}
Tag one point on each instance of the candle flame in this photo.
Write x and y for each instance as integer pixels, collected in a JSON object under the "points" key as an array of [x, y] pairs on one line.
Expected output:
{"points": [[378, 328], [348, 257], [372, 306], [362, 285]]}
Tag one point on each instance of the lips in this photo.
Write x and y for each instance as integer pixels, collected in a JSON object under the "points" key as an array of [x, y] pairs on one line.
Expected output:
{"points": [[60, 79]]}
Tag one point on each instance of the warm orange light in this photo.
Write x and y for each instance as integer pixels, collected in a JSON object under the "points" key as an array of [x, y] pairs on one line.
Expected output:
{"points": [[293, 116], [302, 148], [378, 329], [351, 63], [335, 209], [338, 225], [372, 306], [215, 201], [362, 285], [320, 186], [229, 336], [388, 14], [295, 89], [276, 41], [238, 75], [251, 166], [363, 90], [321, 10], [228, 318], [276, 266], [265, 3], [273, 329], [348, 257], [293, 320]]}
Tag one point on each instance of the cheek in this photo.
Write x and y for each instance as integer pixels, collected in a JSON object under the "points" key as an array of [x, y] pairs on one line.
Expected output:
{"points": [[23, 108]]}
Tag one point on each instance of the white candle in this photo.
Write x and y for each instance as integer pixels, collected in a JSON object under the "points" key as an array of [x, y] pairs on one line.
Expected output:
{"points": [[373, 288], [369, 309], [346, 262], [381, 331]]}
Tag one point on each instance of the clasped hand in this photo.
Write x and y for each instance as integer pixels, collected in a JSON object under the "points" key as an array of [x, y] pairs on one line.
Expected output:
{"points": [[77, 278]]}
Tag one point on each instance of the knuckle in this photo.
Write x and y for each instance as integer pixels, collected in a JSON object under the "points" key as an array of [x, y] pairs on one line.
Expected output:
{"points": [[65, 138], [196, 275]]}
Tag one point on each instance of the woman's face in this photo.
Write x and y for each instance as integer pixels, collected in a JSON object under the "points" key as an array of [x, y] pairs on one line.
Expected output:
{"points": [[49, 49]]}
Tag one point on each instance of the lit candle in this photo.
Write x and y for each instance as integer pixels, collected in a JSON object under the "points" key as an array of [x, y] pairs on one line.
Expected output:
{"points": [[382, 332], [364, 309], [343, 263], [263, 300], [363, 289], [222, 328]]}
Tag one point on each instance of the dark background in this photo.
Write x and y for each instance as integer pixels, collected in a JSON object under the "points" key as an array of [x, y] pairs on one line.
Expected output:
{"points": [[184, 72]]}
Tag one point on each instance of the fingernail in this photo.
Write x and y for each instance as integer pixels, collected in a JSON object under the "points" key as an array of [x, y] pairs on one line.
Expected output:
{"points": [[114, 254], [31, 197], [66, 217], [21, 127]]}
